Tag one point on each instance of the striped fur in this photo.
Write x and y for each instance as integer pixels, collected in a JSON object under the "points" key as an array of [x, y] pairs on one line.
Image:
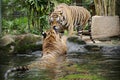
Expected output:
{"points": [[54, 47], [69, 18]]}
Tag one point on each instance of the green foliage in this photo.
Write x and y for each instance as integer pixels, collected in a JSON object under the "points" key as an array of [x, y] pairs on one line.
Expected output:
{"points": [[65, 1], [16, 26], [27, 15]]}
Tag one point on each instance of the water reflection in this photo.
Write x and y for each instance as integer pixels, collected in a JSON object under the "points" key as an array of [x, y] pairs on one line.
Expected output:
{"points": [[103, 63]]}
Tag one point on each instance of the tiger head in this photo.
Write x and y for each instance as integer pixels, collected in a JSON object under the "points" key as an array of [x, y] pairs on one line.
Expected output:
{"points": [[53, 42], [51, 34], [57, 19]]}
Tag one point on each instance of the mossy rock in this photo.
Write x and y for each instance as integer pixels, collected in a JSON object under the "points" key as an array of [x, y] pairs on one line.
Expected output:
{"points": [[20, 43], [81, 77], [78, 72], [22, 49], [7, 40], [93, 47]]}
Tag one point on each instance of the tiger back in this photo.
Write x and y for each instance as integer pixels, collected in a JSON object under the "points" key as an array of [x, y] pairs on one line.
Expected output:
{"points": [[54, 51], [70, 18]]}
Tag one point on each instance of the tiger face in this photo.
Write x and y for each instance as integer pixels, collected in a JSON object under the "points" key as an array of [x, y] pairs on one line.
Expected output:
{"points": [[57, 20], [55, 17]]}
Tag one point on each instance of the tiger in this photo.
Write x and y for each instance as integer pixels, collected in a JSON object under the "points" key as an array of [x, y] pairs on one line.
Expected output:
{"points": [[54, 46], [70, 17]]}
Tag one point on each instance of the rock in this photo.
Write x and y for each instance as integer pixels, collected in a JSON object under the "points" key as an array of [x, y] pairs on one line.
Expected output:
{"points": [[7, 44], [93, 48], [76, 39], [7, 40], [105, 26], [20, 43]]}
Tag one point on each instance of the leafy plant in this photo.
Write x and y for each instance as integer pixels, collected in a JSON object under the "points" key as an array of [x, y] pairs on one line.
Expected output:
{"points": [[15, 26], [27, 15]]}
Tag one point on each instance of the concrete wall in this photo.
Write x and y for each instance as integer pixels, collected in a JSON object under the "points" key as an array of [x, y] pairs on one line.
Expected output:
{"points": [[105, 26]]}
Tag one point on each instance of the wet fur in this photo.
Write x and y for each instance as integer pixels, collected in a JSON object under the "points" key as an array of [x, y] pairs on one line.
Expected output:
{"points": [[54, 46]]}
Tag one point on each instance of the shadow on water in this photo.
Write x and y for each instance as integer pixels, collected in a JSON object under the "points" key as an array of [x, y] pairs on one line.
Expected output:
{"points": [[102, 64]]}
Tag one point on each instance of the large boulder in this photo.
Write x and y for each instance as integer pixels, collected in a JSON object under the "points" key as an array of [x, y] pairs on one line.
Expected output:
{"points": [[105, 26], [20, 43]]}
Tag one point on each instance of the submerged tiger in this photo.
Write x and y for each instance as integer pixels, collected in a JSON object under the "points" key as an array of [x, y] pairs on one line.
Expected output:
{"points": [[70, 17], [54, 47]]}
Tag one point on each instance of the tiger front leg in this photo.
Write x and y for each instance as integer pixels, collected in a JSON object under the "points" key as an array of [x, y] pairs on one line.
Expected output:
{"points": [[89, 26], [70, 30], [79, 31]]}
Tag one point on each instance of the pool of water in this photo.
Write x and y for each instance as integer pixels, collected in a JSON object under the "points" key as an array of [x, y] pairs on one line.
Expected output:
{"points": [[85, 64]]}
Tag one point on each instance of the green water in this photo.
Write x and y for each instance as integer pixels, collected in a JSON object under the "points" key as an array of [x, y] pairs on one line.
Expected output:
{"points": [[88, 65]]}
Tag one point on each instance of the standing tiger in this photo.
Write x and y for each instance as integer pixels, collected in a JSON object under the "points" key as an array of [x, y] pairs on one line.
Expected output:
{"points": [[68, 17], [54, 51]]}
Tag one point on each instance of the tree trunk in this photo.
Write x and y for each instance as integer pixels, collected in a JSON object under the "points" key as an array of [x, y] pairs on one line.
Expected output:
{"points": [[105, 7], [118, 8]]}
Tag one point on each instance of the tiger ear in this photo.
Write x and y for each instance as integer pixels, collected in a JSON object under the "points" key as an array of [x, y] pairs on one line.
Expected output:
{"points": [[44, 34]]}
